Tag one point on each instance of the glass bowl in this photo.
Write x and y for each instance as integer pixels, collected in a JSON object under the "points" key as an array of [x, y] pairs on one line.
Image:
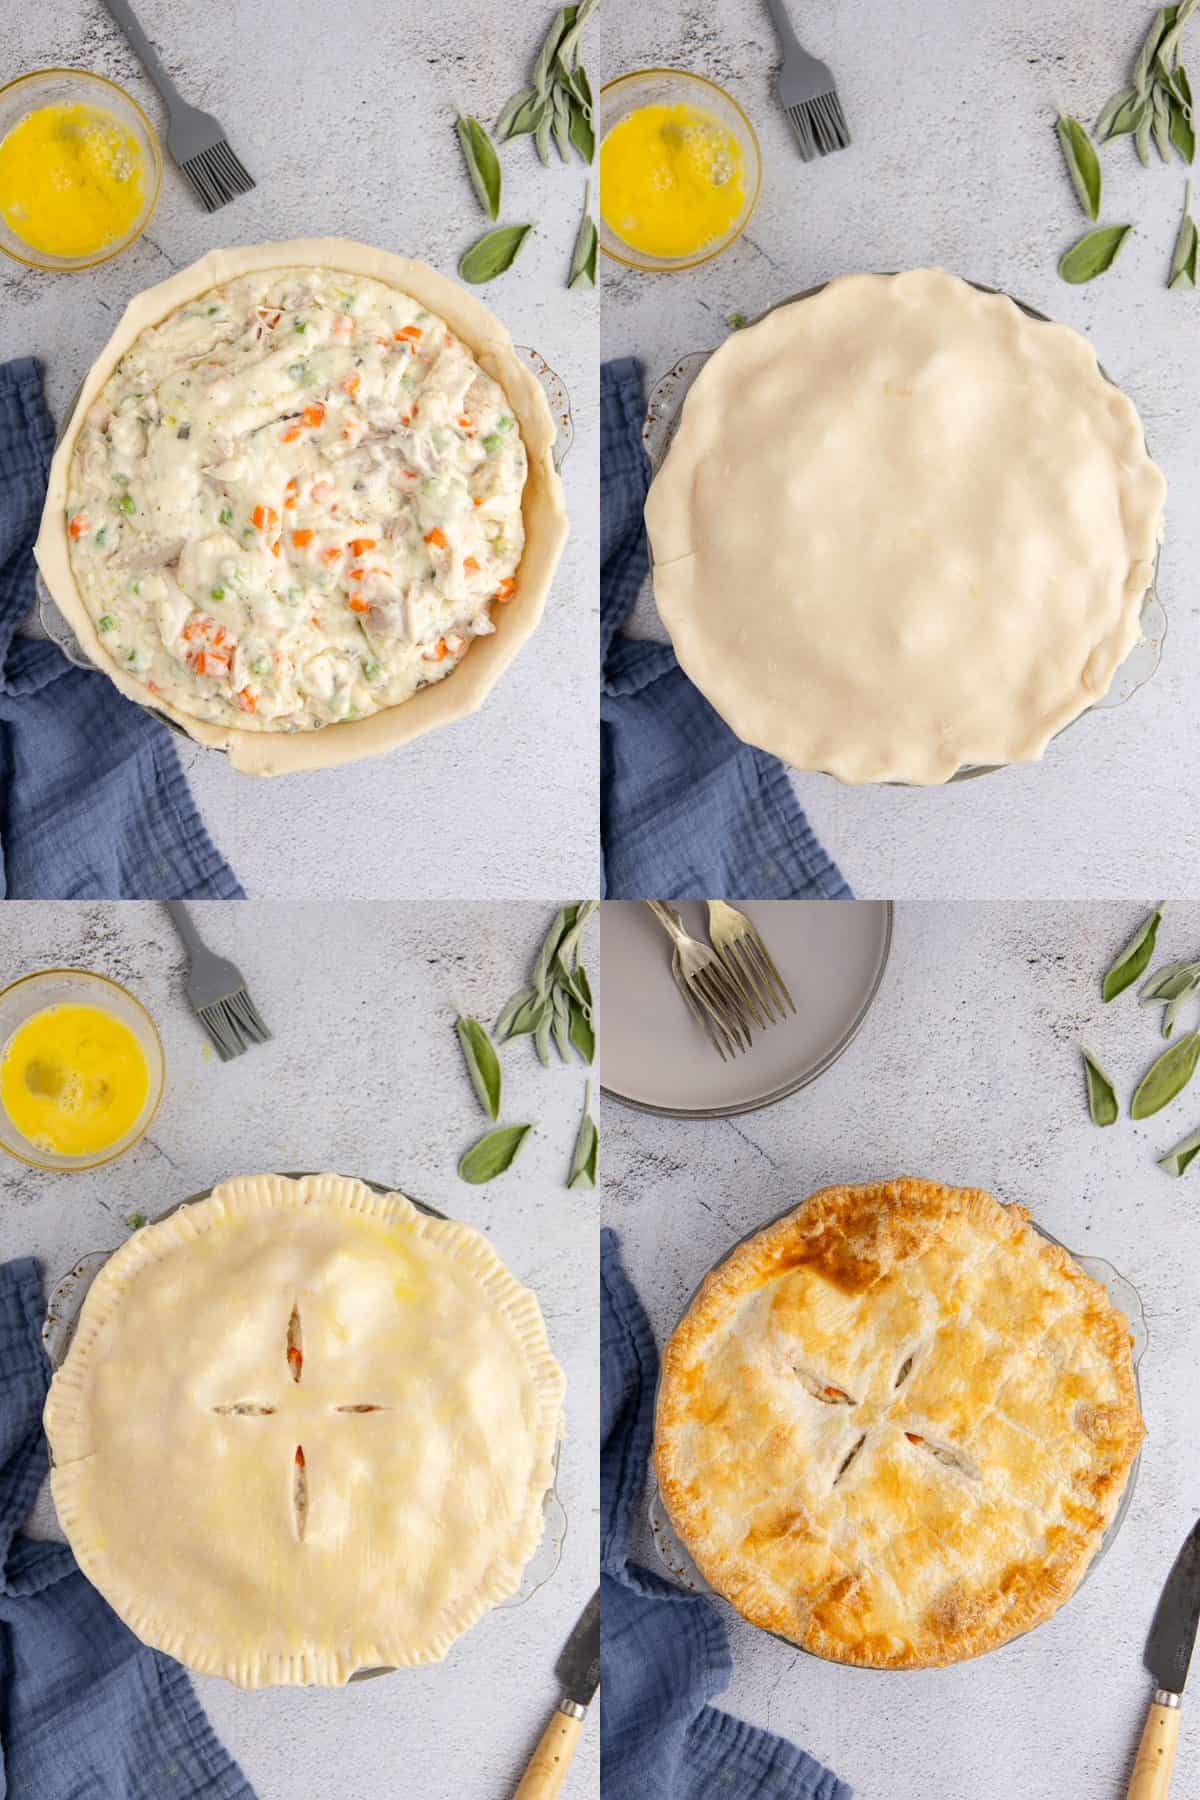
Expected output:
{"points": [[677, 1560], [79, 987], [675, 87], [75, 87]]}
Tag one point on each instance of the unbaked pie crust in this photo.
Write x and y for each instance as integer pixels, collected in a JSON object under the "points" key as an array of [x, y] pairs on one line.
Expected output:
{"points": [[894, 1426], [275, 753], [304, 1429], [904, 529]]}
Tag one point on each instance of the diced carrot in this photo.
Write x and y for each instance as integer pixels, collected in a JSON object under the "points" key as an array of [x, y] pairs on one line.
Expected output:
{"points": [[477, 501], [410, 333], [275, 548], [343, 328], [356, 574], [358, 545], [79, 524], [437, 537], [506, 590], [154, 687], [331, 556], [314, 414], [263, 516], [302, 539], [291, 434], [290, 494], [438, 653], [468, 425], [315, 622], [351, 383], [358, 604], [247, 702], [471, 564]]}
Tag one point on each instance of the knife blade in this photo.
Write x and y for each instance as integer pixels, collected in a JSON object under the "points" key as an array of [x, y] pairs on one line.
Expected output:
{"points": [[578, 1665], [578, 1671], [1173, 1632], [1167, 1656]]}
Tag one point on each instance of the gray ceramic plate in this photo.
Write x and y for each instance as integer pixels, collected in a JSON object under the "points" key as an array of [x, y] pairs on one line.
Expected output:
{"points": [[677, 1561], [653, 1054], [58, 1331]]}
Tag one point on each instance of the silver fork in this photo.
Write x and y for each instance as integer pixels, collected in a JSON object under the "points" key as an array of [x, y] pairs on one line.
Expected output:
{"points": [[217, 992], [807, 93], [713, 999], [195, 139], [741, 949]]}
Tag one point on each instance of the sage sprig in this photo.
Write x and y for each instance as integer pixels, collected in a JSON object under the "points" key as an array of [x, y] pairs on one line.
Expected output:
{"points": [[493, 1153], [483, 1065], [587, 1147], [1093, 253], [1102, 1096], [483, 164], [1169, 987], [556, 1005], [493, 253], [583, 257], [557, 105], [1166, 1078], [1176, 1161], [1134, 958], [1158, 103], [1183, 261], [1083, 164]]}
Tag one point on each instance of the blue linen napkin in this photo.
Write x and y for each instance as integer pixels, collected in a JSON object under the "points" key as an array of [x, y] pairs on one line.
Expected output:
{"points": [[686, 809], [93, 802], [87, 1712], [663, 1652]]}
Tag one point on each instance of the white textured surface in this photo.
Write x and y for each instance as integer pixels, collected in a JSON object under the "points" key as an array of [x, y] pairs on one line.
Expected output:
{"points": [[503, 802], [364, 1076], [955, 162], [967, 1070]]}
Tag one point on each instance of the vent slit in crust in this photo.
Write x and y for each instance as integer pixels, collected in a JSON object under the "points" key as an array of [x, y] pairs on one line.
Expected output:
{"points": [[299, 1493], [849, 1458], [295, 1344]]}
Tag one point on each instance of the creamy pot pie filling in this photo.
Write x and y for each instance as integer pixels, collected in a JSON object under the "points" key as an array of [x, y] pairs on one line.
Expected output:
{"points": [[295, 501]]}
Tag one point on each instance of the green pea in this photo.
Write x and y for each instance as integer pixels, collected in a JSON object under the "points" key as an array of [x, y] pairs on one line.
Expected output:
{"points": [[504, 424], [371, 669], [261, 665], [225, 517], [493, 442], [126, 504], [218, 593], [301, 325], [102, 534], [108, 623]]}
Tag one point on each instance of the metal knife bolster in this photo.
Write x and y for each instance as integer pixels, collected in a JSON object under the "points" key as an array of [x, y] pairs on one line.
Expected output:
{"points": [[573, 1709], [1163, 1698]]}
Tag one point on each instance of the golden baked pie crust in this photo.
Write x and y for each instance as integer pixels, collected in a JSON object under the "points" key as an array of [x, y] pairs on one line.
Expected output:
{"points": [[1019, 1370], [543, 508], [426, 1401]]}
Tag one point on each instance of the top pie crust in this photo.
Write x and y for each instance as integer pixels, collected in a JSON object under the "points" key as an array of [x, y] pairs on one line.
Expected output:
{"points": [[544, 511], [904, 528], [894, 1425], [418, 1383]]}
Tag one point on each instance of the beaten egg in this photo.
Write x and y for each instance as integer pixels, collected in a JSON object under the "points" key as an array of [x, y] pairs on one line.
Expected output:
{"points": [[671, 180], [74, 1080], [71, 180]]}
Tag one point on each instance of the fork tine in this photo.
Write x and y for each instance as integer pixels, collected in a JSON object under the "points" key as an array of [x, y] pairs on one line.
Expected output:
{"points": [[754, 980], [711, 991], [779, 985], [750, 995], [700, 1013]]}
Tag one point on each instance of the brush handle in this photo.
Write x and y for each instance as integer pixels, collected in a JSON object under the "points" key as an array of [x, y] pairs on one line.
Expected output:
{"points": [[146, 53], [1151, 1779], [783, 26], [181, 918]]}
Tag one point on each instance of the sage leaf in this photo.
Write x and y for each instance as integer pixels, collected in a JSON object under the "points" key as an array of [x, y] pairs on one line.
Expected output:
{"points": [[582, 1035], [483, 1065], [583, 135], [1183, 260], [510, 112], [529, 1017], [1083, 165], [1168, 45], [568, 48], [562, 123], [1093, 253], [1134, 958], [1141, 137], [583, 257], [1111, 122], [568, 950], [493, 1153], [541, 1036], [550, 43], [541, 136], [1171, 1012], [493, 253], [564, 919], [1176, 1161], [483, 164], [1148, 52], [562, 1024], [508, 1012], [1183, 134], [527, 118], [585, 989], [1165, 983], [1162, 123], [1102, 1096], [1167, 1077], [582, 1172]]}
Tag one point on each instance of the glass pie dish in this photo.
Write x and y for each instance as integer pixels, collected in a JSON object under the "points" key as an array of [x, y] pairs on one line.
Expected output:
{"points": [[55, 627], [681, 1568], [63, 1311], [664, 411]]}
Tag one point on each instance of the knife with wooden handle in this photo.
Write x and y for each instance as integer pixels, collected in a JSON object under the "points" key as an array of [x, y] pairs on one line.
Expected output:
{"points": [[578, 1671], [1168, 1655]]}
